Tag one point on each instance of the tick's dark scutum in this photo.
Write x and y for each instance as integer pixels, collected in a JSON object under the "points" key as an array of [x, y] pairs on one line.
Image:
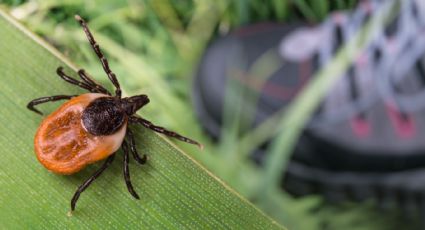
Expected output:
{"points": [[104, 116]]}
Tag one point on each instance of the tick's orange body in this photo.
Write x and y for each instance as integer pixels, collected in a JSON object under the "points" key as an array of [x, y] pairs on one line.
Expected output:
{"points": [[64, 146]]}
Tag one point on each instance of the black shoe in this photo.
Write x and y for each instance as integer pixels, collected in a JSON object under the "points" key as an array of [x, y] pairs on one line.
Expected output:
{"points": [[363, 142]]}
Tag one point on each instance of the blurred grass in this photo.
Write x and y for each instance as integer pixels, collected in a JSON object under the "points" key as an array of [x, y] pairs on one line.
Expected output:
{"points": [[154, 47]]}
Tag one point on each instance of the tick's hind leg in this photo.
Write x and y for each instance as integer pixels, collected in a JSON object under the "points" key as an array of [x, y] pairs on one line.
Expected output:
{"points": [[82, 84], [87, 79], [72, 80], [149, 125], [42, 100], [141, 160], [90, 180], [126, 171]]}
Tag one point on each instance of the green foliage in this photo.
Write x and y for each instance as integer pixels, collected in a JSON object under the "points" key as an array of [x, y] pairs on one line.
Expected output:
{"points": [[176, 192], [154, 47]]}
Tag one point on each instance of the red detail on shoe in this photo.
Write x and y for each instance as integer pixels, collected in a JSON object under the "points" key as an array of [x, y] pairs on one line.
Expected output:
{"points": [[339, 18], [404, 126], [256, 29], [284, 93], [362, 60], [367, 6], [391, 44], [360, 127]]}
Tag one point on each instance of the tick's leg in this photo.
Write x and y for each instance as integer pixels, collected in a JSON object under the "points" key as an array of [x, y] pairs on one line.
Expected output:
{"points": [[100, 55], [136, 156], [87, 79], [162, 130], [42, 100], [90, 180], [126, 171], [73, 81]]}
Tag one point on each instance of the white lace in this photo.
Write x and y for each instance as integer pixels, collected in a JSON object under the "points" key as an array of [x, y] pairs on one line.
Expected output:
{"points": [[373, 78]]}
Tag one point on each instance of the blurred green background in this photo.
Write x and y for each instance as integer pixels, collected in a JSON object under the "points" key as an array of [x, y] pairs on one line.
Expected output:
{"points": [[154, 48]]}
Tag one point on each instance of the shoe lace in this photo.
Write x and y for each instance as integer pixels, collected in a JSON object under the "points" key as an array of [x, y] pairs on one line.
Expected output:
{"points": [[395, 54]]}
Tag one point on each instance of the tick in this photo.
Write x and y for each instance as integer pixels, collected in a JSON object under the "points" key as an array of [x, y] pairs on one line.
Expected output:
{"points": [[92, 126]]}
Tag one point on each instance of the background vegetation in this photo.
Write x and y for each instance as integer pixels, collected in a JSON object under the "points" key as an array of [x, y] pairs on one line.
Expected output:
{"points": [[154, 47]]}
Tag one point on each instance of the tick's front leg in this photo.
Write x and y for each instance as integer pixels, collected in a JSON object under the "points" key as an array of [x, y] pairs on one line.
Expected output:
{"points": [[141, 160], [149, 125], [126, 171]]}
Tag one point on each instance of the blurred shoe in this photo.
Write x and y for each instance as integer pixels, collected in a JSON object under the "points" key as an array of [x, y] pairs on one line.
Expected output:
{"points": [[363, 142]]}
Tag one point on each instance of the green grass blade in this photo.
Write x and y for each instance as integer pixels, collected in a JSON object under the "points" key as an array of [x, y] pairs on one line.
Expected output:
{"points": [[306, 10], [176, 192]]}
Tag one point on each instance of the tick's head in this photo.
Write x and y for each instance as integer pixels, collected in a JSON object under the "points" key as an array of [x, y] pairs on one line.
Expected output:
{"points": [[134, 103]]}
